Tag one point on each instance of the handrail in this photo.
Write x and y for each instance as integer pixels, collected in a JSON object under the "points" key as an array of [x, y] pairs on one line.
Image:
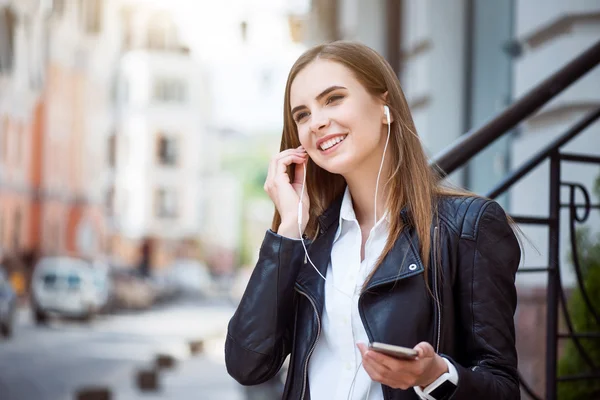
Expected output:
{"points": [[538, 158], [471, 143]]}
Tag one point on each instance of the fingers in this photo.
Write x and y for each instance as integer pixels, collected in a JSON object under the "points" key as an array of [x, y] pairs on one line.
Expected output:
{"points": [[285, 161], [398, 373], [280, 162], [376, 372], [424, 350], [386, 361], [299, 172], [362, 347], [374, 368]]}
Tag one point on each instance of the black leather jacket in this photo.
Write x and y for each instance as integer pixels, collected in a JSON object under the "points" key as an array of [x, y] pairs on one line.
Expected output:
{"points": [[280, 311]]}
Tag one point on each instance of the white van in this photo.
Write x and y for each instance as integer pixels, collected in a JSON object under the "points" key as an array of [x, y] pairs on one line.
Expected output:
{"points": [[102, 285], [63, 286]]}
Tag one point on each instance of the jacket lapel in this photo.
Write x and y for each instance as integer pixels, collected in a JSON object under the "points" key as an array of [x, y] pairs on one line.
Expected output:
{"points": [[401, 262]]}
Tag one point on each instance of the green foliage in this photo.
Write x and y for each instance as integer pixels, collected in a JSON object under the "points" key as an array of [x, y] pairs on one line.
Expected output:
{"points": [[248, 159], [571, 362]]}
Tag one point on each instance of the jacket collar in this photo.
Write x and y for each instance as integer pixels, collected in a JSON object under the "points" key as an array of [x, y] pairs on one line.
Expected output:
{"points": [[401, 262]]}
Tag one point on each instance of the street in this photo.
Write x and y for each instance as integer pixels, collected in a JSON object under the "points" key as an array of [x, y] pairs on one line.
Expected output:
{"points": [[53, 362]]}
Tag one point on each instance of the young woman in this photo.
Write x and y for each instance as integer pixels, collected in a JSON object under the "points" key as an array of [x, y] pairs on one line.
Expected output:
{"points": [[376, 251]]}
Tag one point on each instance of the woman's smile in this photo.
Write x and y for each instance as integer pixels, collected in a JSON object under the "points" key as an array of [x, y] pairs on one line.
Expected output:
{"points": [[330, 143]]}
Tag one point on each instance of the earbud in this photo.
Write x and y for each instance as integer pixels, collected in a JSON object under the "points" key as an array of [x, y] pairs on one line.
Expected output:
{"points": [[386, 111]]}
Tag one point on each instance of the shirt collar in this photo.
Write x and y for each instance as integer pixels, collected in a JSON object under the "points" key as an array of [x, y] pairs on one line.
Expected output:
{"points": [[347, 213]]}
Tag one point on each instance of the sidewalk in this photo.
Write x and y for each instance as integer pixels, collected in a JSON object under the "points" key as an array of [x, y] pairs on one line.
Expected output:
{"points": [[201, 377]]}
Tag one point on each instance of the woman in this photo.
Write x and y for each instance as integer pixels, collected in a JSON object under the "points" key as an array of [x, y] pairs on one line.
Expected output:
{"points": [[392, 256]]}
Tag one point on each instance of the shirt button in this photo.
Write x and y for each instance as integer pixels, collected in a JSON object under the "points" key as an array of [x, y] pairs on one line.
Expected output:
{"points": [[348, 366], [412, 267]]}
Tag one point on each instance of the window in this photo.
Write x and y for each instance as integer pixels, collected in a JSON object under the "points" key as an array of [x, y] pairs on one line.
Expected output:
{"points": [[18, 145], [166, 203], [58, 7], [112, 151], [162, 34], [167, 150], [16, 239], [3, 139], [296, 25], [244, 31], [92, 11], [1, 230], [169, 90], [7, 34], [110, 202], [127, 22]]}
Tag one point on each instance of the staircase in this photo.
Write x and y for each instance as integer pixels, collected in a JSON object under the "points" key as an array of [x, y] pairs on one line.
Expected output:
{"points": [[470, 144]]}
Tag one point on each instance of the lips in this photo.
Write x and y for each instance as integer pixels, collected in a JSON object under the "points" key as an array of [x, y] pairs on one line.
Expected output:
{"points": [[329, 141]]}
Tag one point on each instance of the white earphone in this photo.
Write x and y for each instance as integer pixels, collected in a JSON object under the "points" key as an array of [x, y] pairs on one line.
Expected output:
{"points": [[386, 111]]}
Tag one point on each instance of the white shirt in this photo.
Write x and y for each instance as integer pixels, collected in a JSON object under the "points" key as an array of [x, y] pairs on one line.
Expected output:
{"points": [[336, 361]]}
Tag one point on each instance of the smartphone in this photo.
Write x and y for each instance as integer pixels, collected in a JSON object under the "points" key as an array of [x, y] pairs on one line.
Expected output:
{"points": [[403, 353]]}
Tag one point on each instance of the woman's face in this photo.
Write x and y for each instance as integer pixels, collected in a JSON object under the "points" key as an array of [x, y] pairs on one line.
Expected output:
{"points": [[339, 123]]}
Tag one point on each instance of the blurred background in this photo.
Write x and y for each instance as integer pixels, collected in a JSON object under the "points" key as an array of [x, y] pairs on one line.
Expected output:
{"points": [[134, 141]]}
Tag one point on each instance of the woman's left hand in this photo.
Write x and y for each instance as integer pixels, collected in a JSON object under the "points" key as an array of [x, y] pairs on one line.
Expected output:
{"points": [[404, 374]]}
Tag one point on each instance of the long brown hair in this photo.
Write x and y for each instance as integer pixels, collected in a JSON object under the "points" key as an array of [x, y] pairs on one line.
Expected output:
{"points": [[412, 185]]}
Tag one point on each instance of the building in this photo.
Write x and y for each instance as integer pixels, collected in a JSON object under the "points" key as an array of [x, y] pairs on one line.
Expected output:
{"points": [[77, 96], [22, 73], [263, 38], [155, 149]]}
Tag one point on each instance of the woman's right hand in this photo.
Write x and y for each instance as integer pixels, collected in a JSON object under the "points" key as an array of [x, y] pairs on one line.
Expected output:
{"points": [[285, 193]]}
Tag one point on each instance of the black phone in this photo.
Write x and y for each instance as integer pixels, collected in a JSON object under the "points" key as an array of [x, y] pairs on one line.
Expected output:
{"points": [[403, 353]]}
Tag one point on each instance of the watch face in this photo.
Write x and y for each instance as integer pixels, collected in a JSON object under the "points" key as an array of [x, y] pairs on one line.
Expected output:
{"points": [[444, 391]]}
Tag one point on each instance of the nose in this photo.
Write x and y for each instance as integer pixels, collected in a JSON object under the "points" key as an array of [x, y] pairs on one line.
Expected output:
{"points": [[319, 121]]}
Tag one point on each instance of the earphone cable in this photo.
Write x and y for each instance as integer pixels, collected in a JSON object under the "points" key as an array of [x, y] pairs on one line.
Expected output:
{"points": [[381, 165]]}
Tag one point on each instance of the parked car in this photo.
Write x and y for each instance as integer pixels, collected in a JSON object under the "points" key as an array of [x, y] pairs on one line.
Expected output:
{"points": [[102, 285], [190, 277], [130, 291], [8, 304], [164, 285], [63, 286]]}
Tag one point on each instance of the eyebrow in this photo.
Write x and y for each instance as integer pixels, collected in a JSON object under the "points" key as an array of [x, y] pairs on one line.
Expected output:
{"points": [[320, 96]]}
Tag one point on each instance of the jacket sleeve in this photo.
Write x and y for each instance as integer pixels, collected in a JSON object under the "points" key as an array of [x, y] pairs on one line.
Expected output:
{"points": [[489, 257], [259, 333]]}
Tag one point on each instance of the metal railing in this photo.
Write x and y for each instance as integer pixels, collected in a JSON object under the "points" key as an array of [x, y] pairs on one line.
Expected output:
{"points": [[470, 144]]}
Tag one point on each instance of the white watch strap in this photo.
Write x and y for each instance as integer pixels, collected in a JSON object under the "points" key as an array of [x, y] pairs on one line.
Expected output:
{"points": [[451, 375]]}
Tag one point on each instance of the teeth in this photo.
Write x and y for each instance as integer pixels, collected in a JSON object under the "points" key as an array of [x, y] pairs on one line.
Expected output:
{"points": [[332, 142]]}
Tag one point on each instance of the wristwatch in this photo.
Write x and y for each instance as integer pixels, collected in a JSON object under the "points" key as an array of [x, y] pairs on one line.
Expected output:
{"points": [[443, 387]]}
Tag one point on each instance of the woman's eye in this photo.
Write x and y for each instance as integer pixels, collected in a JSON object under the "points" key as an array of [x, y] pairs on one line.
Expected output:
{"points": [[300, 116], [333, 98]]}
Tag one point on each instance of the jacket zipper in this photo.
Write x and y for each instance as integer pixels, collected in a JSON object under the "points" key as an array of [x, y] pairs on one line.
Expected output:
{"points": [[314, 343], [435, 290]]}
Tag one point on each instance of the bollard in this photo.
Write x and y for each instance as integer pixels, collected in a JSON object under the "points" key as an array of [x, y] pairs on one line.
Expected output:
{"points": [[93, 393], [196, 346], [165, 361], [147, 380]]}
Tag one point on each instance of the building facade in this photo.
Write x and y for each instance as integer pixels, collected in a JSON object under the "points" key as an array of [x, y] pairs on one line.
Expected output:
{"points": [[156, 149], [72, 211], [22, 74]]}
